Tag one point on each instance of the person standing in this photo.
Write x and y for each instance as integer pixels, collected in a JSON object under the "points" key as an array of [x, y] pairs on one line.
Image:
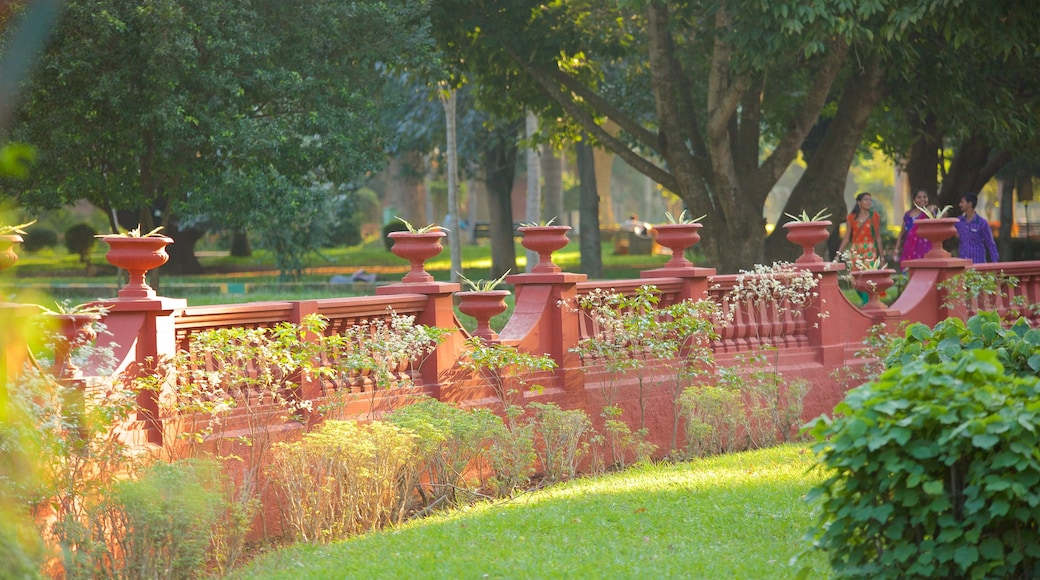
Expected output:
{"points": [[975, 236], [910, 246], [862, 234]]}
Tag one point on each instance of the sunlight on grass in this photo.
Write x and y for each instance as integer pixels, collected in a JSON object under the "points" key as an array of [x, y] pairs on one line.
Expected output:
{"points": [[738, 516]]}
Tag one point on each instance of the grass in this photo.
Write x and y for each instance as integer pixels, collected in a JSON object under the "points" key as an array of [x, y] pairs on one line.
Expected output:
{"points": [[736, 516]]}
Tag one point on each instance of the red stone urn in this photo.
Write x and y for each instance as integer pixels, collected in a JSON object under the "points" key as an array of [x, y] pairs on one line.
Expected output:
{"points": [[417, 247], [545, 240], [807, 235], [874, 283], [936, 231], [137, 255], [74, 331], [677, 238], [7, 255], [483, 306]]}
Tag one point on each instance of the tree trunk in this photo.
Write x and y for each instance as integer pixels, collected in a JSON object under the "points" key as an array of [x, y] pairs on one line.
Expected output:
{"points": [[974, 164], [552, 190], [240, 246], [182, 251], [454, 233], [588, 214], [823, 183], [534, 184], [922, 167], [499, 173], [406, 193], [1006, 188]]}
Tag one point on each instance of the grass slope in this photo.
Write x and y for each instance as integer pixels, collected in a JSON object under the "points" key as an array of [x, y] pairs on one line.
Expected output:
{"points": [[738, 516]]}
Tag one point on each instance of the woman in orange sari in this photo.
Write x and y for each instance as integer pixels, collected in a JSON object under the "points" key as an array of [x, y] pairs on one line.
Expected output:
{"points": [[863, 233]]}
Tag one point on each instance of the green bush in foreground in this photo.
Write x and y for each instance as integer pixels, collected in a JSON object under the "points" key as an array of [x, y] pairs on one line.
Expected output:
{"points": [[933, 472]]}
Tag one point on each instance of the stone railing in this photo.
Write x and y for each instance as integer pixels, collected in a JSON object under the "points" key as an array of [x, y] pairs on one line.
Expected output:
{"points": [[812, 341]]}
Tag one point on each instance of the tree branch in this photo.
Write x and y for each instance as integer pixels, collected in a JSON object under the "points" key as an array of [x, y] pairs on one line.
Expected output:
{"points": [[724, 93], [565, 99], [785, 152], [607, 109]]}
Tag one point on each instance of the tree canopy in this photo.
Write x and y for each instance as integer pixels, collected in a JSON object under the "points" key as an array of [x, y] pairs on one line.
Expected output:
{"points": [[714, 99], [184, 110]]}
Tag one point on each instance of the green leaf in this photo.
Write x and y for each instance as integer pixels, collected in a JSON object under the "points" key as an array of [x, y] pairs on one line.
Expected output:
{"points": [[965, 556], [933, 487], [985, 441]]}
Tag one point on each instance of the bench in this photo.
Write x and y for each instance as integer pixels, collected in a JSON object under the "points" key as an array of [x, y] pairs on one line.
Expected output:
{"points": [[482, 230]]}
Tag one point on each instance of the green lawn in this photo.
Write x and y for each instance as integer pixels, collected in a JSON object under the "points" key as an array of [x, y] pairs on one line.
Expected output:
{"points": [[737, 516]]}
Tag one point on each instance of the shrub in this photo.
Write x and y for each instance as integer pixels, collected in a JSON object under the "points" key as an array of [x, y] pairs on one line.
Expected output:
{"points": [[713, 415], [163, 522], [451, 440], [933, 472], [564, 439], [80, 240], [511, 453], [39, 238], [393, 226], [1017, 347], [344, 478]]}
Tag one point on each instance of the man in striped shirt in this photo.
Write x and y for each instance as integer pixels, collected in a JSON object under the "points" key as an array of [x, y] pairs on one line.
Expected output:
{"points": [[974, 233]]}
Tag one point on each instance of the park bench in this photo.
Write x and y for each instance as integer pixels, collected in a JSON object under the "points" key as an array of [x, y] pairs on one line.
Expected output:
{"points": [[482, 230]]}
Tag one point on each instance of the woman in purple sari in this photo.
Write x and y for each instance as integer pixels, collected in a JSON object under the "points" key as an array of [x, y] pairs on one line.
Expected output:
{"points": [[909, 246]]}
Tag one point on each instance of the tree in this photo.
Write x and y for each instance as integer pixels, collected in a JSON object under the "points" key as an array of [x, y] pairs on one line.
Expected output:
{"points": [[184, 113], [736, 88], [967, 97]]}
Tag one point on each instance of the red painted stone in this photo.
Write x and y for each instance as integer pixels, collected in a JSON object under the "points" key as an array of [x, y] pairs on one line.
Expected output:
{"points": [[874, 283], [483, 306], [807, 235], [7, 255], [137, 256], [545, 240], [936, 231], [417, 248], [677, 238]]}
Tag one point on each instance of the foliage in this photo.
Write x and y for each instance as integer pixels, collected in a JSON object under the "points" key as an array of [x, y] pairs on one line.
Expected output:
{"points": [[511, 453], [973, 287], [137, 232], [450, 441], [373, 354], [749, 407], [39, 238], [697, 91], [15, 229], [1017, 347], [483, 285], [932, 472], [627, 334], [507, 368], [164, 521], [394, 226], [713, 416], [624, 444], [804, 216], [683, 218], [344, 478], [933, 213], [563, 437], [538, 224], [691, 324], [201, 111], [60, 449], [80, 240], [421, 230], [220, 395]]}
